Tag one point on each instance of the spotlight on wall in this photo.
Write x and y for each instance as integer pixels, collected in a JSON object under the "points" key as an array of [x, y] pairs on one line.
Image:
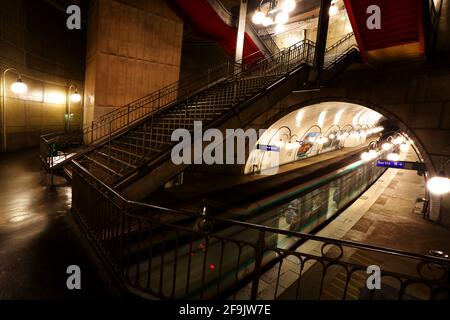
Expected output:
{"points": [[19, 87]]}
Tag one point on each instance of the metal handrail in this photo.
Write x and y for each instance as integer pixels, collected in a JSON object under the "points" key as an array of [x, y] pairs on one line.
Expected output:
{"points": [[126, 204], [234, 87], [113, 221]]}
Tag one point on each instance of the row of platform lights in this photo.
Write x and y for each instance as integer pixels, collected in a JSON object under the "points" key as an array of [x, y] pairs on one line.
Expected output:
{"points": [[341, 135], [279, 15], [397, 143]]}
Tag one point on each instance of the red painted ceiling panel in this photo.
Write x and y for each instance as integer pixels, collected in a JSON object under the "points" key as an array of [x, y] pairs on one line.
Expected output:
{"points": [[401, 22], [201, 17]]}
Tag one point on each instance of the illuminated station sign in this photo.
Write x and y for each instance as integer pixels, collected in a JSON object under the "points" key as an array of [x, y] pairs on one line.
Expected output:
{"points": [[407, 165]]}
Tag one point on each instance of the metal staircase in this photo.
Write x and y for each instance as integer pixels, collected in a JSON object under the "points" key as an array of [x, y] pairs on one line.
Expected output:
{"points": [[122, 154], [123, 143]]}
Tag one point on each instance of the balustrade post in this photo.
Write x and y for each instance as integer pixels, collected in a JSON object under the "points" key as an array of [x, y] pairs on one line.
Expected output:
{"points": [[259, 253]]}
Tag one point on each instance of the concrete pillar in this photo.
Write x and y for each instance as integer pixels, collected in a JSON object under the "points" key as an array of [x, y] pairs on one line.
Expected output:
{"points": [[322, 32], [241, 31], [134, 48]]}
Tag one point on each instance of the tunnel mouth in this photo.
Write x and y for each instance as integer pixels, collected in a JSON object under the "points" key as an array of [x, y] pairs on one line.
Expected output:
{"points": [[312, 130]]}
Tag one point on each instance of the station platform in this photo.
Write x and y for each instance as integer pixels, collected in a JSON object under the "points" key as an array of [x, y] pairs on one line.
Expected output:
{"points": [[39, 238], [387, 215]]}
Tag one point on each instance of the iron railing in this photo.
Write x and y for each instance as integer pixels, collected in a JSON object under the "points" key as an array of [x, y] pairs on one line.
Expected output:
{"points": [[151, 136], [340, 48], [167, 254]]}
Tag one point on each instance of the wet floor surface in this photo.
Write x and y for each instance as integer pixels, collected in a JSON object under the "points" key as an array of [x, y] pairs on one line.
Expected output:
{"points": [[39, 237]]}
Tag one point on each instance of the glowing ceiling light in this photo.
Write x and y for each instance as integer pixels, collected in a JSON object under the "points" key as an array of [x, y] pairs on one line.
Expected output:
{"points": [[288, 5], [332, 136], [19, 87], [282, 17], [279, 28], [365, 156], [373, 153], [439, 185], [404, 147], [258, 17], [399, 140], [386, 146], [334, 10], [267, 21], [393, 156]]}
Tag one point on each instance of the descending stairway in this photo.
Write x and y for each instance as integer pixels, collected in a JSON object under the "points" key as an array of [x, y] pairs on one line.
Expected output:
{"points": [[144, 142], [136, 161]]}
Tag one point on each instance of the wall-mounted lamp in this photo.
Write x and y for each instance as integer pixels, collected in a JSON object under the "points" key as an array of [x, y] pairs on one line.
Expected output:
{"points": [[18, 87]]}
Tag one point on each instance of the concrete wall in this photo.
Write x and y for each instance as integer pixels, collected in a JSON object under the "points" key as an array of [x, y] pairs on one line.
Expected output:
{"points": [[134, 48], [35, 41]]}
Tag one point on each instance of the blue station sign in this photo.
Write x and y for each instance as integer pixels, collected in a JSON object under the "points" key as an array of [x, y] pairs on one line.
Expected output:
{"points": [[406, 165], [265, 147]]}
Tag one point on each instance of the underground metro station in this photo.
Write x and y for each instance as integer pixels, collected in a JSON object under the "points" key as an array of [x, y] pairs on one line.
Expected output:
{"points": [[225, 150]]}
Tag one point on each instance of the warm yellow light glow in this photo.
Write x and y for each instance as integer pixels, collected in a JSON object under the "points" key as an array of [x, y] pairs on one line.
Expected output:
{"points": [[55, 97], [288, 5], [404, 147], [393, 156], [321, 119], [279, 28], [282, 17], [386, 146], [75, 97], [439, 185], [267, 21], [19, 87], [334, 10], [258, 17]]}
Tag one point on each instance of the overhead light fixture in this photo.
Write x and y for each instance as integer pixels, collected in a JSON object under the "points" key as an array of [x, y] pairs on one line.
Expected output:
{"points": [[288, 5], [404, 147], [19, 87], [267, 21], [282, 17], [334, 10], [258, 17], [386, 146], [280, 28], [439, 185], [393, 156]]}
